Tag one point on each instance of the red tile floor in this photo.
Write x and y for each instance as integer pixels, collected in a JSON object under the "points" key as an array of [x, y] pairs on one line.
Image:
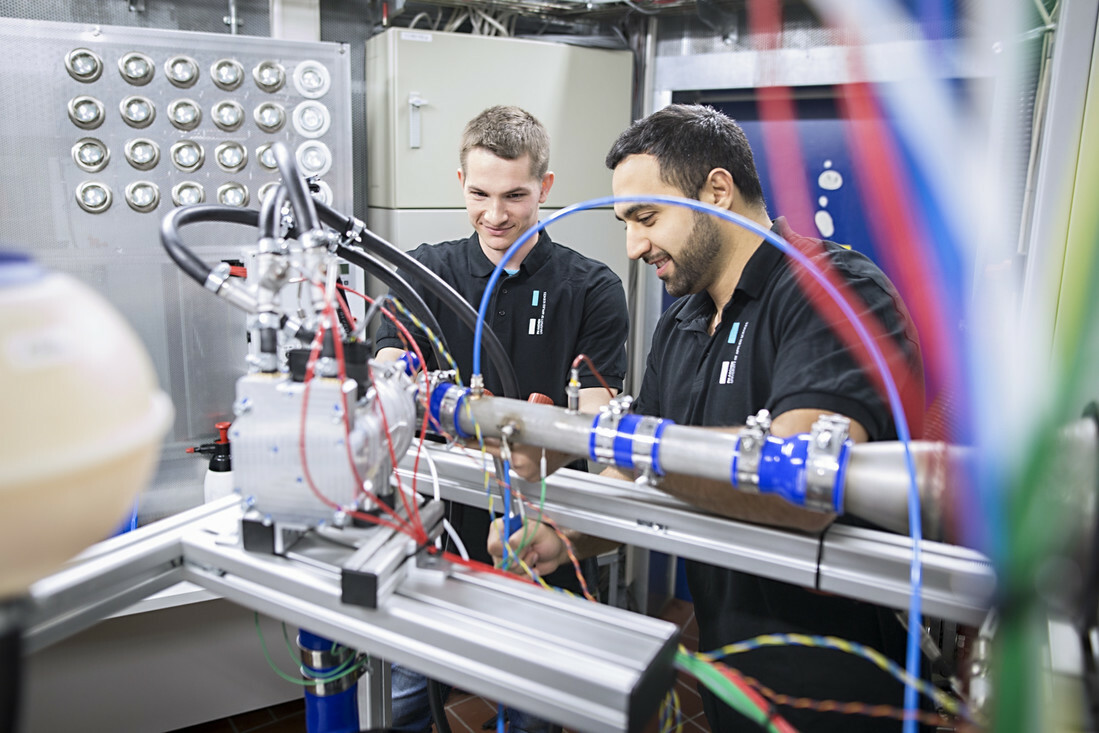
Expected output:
{"points": [[466, 713]]}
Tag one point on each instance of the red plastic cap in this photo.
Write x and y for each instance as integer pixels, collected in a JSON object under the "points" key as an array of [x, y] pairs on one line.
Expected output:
{"points": [[539, 399]]}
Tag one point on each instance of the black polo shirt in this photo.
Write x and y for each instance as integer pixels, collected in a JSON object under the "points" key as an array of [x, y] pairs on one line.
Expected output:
{"points": [[558, 305], [773, 350]]}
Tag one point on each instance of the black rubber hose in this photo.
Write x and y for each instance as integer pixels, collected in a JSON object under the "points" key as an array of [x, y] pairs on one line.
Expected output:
{"points": [[439, 287], [403, 291], [305, 211], [176, 219], [11, 663], [437, 702]]}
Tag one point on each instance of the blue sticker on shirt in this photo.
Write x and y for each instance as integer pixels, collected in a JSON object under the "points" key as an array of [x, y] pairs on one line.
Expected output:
{"points": [[534, 299], [734, 330]]}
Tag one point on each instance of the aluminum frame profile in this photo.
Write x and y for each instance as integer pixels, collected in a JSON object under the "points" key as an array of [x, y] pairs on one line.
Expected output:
{"points": [[860, 563], [110, 576], [582, 665], [585, 666]]}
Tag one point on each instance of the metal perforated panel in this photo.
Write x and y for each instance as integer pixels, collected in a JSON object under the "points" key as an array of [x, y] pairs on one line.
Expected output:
{"points": [[197, 342]]}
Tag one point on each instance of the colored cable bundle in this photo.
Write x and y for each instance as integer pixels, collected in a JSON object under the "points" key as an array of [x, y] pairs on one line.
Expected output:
{"points": [[883, 662]]}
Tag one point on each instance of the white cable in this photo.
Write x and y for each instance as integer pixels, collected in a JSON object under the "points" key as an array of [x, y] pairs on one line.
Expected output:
{"points": [[434, 474], [457, 17], [500, 26], [1041, 6], [416, 19], [435, 493], [455, 539]]}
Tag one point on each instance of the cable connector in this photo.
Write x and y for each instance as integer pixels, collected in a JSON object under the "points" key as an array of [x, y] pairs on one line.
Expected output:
{"points": [[572, 390]]}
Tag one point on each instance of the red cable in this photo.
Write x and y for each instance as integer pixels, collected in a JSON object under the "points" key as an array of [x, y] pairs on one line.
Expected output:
{"points": [[414, 346], [402, 526], [482, 567], [414, 512], [783, 153], [883, 192], [766, 706], [584, 357]]}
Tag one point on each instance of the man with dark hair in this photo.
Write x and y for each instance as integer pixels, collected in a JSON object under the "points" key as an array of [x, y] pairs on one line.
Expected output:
{"points": [[744, 305], [552, 305]]}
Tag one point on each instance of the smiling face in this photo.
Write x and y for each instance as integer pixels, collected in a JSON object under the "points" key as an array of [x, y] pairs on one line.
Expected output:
{"points": [[502, 198], [685, 246]]}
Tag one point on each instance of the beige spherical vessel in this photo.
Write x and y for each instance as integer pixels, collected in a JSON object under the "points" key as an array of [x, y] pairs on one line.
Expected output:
{"points": [[83, 420]]}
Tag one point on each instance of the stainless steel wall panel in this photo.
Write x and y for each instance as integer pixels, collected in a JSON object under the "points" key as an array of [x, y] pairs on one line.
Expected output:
{"points": [[197, 342]]}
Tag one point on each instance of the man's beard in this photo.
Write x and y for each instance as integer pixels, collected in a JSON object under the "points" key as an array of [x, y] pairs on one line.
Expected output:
{"points": [[694, 264]]}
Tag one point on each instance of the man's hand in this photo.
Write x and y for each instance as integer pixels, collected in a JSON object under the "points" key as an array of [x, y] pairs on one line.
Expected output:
{"points": [[543, 551]]}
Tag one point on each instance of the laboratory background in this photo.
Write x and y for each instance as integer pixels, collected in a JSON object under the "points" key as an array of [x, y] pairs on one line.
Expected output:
{"points": [[219, 513]]}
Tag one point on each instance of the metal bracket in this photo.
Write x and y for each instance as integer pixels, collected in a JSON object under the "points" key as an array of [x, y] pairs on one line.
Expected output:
{"points": [[828, 440], [757, 429]]}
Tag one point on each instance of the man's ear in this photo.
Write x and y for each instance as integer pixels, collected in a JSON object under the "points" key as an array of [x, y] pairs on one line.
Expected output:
{"points": [[719, 189], [461, 182], [547, 184]]}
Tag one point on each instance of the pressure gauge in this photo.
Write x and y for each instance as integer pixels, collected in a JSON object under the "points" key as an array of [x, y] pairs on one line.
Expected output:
{"points": [[142, 196], [185, 114], [137, 111], [93, 197], [136, 68], [182, 71], [227, 74], [269, 76], [228, 115], [86, 112], [90, 154], [142, 153], [187, 193], [84, 65]]}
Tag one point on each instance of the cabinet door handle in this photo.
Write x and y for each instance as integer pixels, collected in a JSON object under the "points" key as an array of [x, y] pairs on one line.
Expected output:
{"points": [[415, 101]]}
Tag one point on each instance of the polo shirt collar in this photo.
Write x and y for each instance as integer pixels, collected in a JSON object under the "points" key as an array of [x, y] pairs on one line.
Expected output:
{"points": [[763, 262], [482, 266], [756, 274]]}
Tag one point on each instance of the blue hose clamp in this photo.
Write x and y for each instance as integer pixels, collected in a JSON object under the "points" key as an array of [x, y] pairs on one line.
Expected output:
{"points": [[446, 400], [626, 440], [807, 470]]}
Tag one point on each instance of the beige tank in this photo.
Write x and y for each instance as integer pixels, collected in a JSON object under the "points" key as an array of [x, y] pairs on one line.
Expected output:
{"points": [[83, 419]]}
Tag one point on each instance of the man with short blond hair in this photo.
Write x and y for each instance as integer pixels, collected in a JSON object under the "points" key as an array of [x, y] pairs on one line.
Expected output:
{"points": [[552, 305]]}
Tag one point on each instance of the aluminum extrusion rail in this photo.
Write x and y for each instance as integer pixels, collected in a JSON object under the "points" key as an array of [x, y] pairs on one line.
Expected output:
{"points": [[583, 665], [112, 575], [859, 563]]}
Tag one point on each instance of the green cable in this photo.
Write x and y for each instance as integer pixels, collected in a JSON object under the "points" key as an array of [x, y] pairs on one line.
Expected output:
{"points": [[294, 656], [528, 535], [724, 689], [350, 666], [1035, 534]]}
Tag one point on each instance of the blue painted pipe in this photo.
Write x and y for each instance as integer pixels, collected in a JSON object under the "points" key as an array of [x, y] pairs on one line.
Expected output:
{"points": [[331, 707]]}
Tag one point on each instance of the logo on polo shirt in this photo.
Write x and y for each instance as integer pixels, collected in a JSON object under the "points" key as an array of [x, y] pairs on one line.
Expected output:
{"points": [[538, 297], [727, 372]]}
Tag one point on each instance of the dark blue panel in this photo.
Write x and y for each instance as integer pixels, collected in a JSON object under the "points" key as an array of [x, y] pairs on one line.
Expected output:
{"points": [[827, 162]]}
